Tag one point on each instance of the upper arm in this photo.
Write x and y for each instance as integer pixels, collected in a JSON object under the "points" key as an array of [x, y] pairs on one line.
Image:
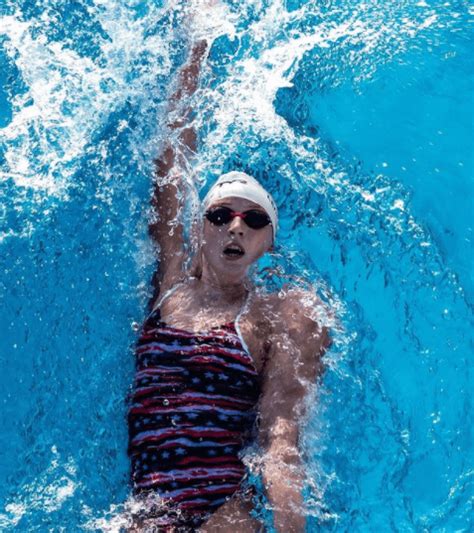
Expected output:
{"points": [[293, 366], [166, 230]]}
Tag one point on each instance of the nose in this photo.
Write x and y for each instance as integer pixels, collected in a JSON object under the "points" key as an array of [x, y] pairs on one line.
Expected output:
{"points": [[236, 226]]}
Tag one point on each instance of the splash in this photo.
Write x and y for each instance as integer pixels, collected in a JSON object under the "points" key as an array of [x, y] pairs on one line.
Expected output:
{"points": [[47, 494], [68, 96]]}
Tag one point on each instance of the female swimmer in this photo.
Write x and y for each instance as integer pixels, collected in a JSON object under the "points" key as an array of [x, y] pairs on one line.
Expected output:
{"points": [[214, 352]]}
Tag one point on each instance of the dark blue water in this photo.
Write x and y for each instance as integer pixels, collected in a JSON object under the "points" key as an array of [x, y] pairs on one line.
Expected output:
{"points": [[359, 119]]}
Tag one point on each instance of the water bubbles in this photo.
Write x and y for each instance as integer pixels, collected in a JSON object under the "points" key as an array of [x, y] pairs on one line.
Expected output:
{"points": [[223, 51], [399, 204], [405, 435], [166, 402], [301, 113]]}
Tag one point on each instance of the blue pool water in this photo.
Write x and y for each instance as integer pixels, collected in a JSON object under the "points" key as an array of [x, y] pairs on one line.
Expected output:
{"points": [[359, 118]]}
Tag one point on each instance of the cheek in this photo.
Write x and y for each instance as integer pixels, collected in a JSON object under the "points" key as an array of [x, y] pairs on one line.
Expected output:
{"points": [[263, 245], [267, 240], [212, 235]]}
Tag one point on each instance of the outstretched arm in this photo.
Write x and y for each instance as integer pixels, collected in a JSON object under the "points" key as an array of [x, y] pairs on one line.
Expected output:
{"points": [[293, 366], [169, 191]]}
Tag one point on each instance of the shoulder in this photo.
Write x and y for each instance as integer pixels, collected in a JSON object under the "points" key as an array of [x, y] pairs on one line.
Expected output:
{"points": [[298, 315], [298, 340], [299, 310]]}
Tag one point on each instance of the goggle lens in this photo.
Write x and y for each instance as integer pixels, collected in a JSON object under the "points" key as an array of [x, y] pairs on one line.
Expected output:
{"points": [[219, 216]]}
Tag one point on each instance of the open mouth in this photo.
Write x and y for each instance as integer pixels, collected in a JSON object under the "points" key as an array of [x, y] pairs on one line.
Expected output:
{"points": [[233, 250]]}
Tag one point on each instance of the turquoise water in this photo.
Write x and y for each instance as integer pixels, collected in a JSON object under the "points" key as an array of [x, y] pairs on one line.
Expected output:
{"points": [[359, 119]]}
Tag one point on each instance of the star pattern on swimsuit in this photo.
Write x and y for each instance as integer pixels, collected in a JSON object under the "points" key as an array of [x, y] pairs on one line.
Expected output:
{"points": [[187, 425]]}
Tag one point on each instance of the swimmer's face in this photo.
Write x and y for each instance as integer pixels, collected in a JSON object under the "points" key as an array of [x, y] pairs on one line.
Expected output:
{"points": [[234, 246]]}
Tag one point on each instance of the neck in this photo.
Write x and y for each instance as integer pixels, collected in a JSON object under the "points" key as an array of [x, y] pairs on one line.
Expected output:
{"points": [[215, 286]]}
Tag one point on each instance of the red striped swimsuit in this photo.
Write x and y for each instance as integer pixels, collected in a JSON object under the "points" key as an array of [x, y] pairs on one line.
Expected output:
{"points": [[193, 409]]}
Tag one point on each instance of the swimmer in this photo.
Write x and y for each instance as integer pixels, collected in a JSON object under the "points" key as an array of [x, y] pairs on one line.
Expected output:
{"points": [[218, 363]]}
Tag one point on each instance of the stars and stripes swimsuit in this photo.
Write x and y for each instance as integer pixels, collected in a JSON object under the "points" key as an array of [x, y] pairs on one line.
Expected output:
{"points": [[193, 409]]}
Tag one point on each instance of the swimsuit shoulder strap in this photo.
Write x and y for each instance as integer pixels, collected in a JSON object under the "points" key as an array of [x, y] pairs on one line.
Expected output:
{"points": [[168, 293], [244, 308]]}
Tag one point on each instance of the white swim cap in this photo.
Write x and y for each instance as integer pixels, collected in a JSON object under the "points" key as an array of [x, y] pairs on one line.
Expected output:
{"points": [[243, 186]]}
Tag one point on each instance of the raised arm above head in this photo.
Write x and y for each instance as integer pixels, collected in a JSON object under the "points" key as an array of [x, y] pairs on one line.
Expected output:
{"points": [[170, 183]]}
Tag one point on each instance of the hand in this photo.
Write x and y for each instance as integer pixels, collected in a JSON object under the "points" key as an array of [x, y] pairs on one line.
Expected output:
{"points": [[196, 7], [232, 516], [204, 4], [208, 19]]}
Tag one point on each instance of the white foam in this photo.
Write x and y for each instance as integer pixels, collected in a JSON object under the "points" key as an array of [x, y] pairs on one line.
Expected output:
{"points": [[209, 19], [69, 96], [242, 106], [47, 493]]}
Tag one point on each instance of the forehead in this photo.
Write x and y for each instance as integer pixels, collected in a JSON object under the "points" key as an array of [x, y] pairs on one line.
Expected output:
{"points": [[236, 203]]}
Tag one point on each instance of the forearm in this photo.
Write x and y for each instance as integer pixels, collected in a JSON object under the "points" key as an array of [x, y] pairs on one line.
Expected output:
{"points": [[283, 479], [170, 166], [188, 76], [180, 109], [235, 516]]}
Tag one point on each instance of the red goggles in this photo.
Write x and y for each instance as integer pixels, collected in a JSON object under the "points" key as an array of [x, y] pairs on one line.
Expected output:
{"points": [[221, 215]]}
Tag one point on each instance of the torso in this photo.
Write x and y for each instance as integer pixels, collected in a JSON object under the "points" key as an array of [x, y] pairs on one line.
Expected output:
{"points": [[194, 405]]}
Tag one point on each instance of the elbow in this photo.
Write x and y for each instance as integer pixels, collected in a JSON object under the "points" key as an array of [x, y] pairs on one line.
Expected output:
{"points": [[164, 163], [283, 452], [280, 443]]}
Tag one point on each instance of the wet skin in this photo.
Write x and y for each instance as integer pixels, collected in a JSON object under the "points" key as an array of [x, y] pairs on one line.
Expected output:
{"points": [[277, 328]]}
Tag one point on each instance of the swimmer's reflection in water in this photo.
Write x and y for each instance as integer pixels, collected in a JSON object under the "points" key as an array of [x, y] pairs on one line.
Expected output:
{"points": [[214, 353]]}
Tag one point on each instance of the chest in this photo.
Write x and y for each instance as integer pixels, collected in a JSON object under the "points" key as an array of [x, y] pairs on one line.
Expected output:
{"points": [[252, 328]]}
